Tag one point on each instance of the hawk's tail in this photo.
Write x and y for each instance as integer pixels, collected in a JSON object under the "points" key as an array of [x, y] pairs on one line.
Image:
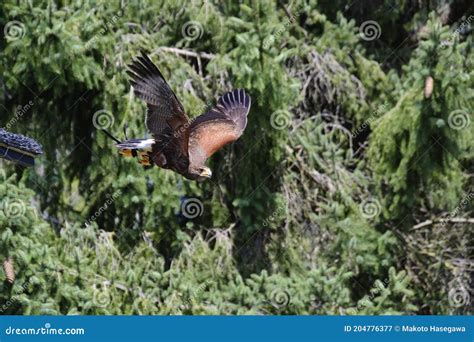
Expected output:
{"points": [[136, 144], [137, 148]]}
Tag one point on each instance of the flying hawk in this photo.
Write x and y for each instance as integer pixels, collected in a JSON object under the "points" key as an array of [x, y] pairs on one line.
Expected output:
{"points": [[178, 143]]}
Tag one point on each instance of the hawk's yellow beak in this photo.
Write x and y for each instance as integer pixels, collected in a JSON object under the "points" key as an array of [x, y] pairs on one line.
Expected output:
{"points": [[206, 173]]}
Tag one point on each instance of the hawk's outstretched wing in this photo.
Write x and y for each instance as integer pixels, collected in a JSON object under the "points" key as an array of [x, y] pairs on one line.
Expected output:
{"points": [[164, 109], [223, 124]]}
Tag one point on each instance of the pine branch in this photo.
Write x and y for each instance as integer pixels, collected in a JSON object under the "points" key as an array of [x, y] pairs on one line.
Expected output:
{"points": [[183, 52], [197, 55], [440, 220]]}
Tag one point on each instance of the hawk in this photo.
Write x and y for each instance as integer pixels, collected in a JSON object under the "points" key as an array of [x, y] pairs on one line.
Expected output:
{"points": [[19, 148], [178, 143]]}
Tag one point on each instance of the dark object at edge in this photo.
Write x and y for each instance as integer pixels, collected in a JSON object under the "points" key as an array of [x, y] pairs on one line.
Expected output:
{"points": [[18, 148]]}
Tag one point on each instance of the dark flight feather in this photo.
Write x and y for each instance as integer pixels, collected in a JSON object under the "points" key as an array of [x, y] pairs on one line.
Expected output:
{"points": [[166, 119]]}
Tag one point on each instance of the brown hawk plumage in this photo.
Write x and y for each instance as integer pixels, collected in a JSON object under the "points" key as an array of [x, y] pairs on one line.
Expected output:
{"points": [[178, 143]]}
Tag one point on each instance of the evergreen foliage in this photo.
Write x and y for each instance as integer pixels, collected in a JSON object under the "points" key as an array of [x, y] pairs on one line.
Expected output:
{"points": [[350, 192]]}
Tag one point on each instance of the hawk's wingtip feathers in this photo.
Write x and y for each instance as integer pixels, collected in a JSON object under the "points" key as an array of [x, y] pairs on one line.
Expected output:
{"points": [[235, 98]]}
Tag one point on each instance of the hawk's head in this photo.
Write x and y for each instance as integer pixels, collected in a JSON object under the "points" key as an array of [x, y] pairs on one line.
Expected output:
{"points": [[198, 172]]}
